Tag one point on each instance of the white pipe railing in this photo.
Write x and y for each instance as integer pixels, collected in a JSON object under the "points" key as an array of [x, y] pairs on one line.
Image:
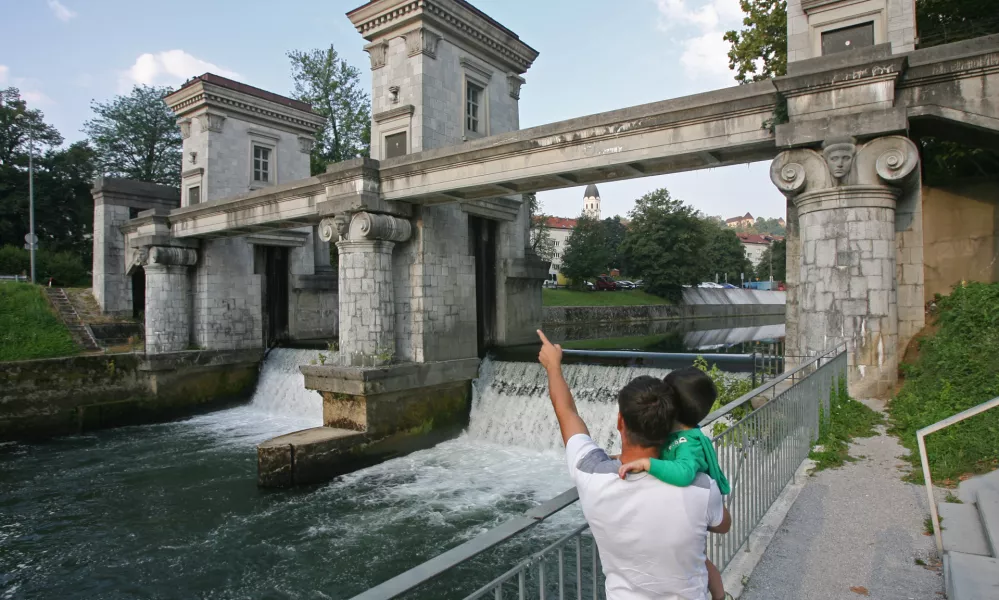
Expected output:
{"points": [[921, 441]]}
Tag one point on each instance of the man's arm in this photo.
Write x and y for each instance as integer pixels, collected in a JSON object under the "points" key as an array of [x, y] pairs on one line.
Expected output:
{"points": [[565, 407], [725, 525]]}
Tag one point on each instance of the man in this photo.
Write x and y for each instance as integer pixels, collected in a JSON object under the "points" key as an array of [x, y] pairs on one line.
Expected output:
{"points": [[651, 535]]}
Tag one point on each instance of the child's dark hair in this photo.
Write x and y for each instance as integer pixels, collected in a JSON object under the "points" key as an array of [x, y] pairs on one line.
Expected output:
{"points": [[694, 394], [646, 406]]}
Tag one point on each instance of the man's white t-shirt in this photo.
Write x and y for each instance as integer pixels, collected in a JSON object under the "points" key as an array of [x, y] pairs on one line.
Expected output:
{"points": [[651, 535]]}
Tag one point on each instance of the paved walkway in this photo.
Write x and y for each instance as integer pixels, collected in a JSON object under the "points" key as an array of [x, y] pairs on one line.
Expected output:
{"points": [[856, 527]]}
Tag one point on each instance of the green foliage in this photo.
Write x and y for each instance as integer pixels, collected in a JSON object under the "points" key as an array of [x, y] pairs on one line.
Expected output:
{"points": [[541, 238], [64, 208], [947, 162], [774, 257], [759, 50], [334, 90], [586, 254], [563, 297], [65, 268], [28, 328], [137, 137], [665, 244], [848, 419], [723, 256], [957, 369], [615, 232], [944, 21]]}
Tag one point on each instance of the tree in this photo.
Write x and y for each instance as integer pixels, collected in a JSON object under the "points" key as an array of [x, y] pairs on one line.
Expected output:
{"points": [[541, 239], [333, 88], [759, 51], [723, 254], [137, 137], [615, 231], [586, 254], [64, 207], [775, 257], [664, 244]]}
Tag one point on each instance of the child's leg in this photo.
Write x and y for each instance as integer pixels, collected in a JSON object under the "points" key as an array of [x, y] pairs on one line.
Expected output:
{"points": [[715, 585]]}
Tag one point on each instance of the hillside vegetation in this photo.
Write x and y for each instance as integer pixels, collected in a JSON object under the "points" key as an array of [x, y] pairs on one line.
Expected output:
{"points": [[957, 367]]}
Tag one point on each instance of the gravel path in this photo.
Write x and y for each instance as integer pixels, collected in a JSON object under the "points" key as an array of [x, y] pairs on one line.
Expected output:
{"points": [[858, 526]]}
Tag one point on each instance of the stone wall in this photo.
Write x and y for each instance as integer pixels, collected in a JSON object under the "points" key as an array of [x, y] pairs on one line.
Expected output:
{"points": [[960, 236], [617, 314], [227, 297], [42, 398]]}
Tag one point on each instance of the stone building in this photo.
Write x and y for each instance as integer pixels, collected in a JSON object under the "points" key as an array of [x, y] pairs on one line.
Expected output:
{"points": [[745, 220], [591, 202]]}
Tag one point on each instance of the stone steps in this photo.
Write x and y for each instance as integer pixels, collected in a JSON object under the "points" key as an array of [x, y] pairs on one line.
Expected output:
{"points": [[971, 547], [79, 331]]}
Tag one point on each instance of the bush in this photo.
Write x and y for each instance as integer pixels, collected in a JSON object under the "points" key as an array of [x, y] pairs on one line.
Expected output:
{"points": [[957, 368], [65, 268]]}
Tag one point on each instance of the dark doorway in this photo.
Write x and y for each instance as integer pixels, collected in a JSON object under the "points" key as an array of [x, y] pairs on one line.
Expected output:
{"points": [[482, 238], [138, 293], [275, 294]]}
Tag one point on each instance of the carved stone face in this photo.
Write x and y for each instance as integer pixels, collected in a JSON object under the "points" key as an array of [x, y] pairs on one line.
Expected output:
{"points": [[840, 160], [342, 221]]}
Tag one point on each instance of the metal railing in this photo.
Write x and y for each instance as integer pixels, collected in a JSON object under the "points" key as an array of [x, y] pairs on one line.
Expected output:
{"points": [[759, 450], [921, 441]]}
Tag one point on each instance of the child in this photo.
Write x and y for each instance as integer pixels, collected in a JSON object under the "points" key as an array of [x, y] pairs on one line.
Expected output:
{"points": [[688, 451]]}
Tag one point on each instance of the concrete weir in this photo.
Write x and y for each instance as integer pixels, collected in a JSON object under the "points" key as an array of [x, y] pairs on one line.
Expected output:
{"points": [[370, 414]]}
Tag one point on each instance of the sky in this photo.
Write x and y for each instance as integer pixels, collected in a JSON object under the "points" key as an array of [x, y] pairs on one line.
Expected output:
{"points": [[595, 56]]}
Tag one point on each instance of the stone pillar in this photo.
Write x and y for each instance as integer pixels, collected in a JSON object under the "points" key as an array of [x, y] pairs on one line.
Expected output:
{"points": [[367, 295], [168, 299], [847, 291]]}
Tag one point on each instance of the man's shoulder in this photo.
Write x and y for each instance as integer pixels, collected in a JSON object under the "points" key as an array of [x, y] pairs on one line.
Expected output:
{"points": [[586, 457]]}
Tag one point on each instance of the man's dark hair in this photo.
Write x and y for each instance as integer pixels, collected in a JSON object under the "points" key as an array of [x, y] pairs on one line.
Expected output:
{"points": [[646, 406], [694, 394]]}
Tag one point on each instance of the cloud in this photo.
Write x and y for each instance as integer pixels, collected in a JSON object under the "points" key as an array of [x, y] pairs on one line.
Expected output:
{"points": [[705, 52], [61, 12], [171, 67], [28, 88]]}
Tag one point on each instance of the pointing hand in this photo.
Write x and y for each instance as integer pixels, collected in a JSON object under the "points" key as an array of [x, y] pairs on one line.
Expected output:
{"points": [[550, 356]]}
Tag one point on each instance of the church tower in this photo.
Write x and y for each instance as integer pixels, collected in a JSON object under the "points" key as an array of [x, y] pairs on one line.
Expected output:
{"points": [[591, 202]]}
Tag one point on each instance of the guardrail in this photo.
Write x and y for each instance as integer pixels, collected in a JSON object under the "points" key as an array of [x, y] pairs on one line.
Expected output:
{"points": [[921, 441], [760, 450]]}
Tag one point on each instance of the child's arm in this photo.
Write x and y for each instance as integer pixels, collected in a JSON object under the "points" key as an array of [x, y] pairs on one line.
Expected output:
{"points": [[679, 471]]}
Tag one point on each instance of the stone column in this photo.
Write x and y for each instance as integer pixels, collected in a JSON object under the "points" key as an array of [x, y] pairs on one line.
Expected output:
{"points": [[168, 298], [367, 296], [846, 292]]}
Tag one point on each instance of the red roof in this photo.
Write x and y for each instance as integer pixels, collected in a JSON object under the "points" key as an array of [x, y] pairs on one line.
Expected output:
{"points": [[560, 223], [249, 89], [756, 238]]}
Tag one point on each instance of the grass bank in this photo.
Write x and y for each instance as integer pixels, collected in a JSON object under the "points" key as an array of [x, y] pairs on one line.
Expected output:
{"points": [[954, 369], [28, 327], [848, 419], [551, 297]]}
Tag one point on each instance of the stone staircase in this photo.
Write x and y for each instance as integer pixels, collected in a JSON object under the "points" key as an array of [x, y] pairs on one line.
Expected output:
{"points": [[77, 328], [971, 545]]}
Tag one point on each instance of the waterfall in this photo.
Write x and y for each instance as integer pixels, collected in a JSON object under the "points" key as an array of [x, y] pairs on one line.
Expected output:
{"points": [[510, 404], [281, 387]]}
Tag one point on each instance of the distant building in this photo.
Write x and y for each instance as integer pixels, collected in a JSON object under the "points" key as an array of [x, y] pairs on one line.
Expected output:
{"points": [[559, 230], [754, 244], [746, 220], [781, 222], [591, 202]]}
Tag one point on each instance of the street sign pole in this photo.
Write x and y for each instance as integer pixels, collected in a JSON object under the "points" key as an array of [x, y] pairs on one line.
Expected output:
{"points": [[31, 201]]}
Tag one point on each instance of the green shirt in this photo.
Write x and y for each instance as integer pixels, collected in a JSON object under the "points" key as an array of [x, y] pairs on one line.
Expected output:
{"points": [[686, 454]]}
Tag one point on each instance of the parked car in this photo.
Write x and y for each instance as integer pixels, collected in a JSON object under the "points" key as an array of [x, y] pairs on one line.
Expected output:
{"points": [[606, 283], [550, 284], [640, 283], [624, 285], [589, 285], [729, 286], [710, 285]]}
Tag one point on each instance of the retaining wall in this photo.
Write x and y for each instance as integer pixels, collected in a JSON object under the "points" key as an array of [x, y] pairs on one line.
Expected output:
{"points": [[698, 303], [44, 398]]}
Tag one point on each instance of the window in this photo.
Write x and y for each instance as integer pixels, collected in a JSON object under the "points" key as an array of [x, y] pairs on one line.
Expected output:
{"points": [[473, 107], [848, 38], [395, 145], [133, 213], [193, 195], [261, 164]]}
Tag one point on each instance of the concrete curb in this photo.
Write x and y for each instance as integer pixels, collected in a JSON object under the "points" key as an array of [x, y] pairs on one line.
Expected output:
{"points": [[742, 564]]}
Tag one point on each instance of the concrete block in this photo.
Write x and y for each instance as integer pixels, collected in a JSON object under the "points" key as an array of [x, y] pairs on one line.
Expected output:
{"points": [[963, 531]]}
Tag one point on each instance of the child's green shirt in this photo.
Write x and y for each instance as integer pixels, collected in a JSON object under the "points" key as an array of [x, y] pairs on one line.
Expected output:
{"points": [[686, 454]]}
